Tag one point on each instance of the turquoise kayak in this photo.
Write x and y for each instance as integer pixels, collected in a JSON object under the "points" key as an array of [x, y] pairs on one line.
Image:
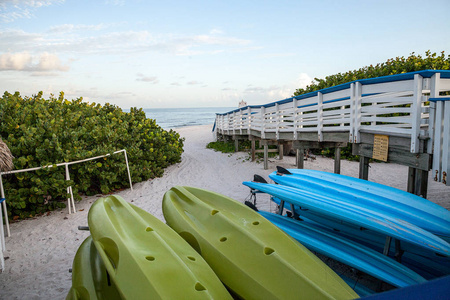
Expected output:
{"points": [[422, 261], [374, 196], [346, 251], [353, 213], [145, 258], [252, 257]]}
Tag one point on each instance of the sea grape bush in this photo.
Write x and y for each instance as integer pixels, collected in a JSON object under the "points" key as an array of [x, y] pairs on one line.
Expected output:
{"points": [[392, 66], [42, 132]]}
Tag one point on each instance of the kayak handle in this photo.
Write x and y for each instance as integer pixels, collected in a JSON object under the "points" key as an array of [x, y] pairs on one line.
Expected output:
{"points": [[109, 252]]}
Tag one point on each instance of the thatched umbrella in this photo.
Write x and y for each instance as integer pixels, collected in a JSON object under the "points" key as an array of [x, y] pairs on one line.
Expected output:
{"points": [[6, 158]]}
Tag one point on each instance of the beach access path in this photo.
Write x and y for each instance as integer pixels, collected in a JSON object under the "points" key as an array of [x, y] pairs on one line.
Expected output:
{"points": [[41, 250]]}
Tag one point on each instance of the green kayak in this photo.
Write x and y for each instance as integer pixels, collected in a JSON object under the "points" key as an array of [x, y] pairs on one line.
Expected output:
{"points": [[143, 257], [89, 277], [251, 256]]}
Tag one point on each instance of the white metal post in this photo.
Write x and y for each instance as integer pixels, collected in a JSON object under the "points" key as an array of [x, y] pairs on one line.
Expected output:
{"points": [[5, 212], [234, 123], [416, 111], [319, 116], [2, 230], [435, 127], [128, 169], [446, 142], [434, 92], [277, 120], [241, 120], [70, 201], [295, 118], [2, 261], [352, 112], [358, 105], [263, 122], [249, 124]]}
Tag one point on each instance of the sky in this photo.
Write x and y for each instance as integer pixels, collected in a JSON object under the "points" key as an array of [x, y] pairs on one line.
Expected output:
{"points": [[189, 53]]}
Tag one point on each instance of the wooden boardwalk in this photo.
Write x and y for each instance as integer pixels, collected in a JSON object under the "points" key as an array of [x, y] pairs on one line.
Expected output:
{"points": [[405, 116]]}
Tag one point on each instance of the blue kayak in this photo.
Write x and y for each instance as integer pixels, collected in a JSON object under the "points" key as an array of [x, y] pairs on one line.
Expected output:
{"points": [[422, 261], [376, 197], [346, 251], [434, 289], [355, 214]]}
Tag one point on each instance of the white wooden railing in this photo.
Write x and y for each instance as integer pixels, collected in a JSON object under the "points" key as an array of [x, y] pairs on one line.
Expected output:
{"points": [[417, 99]]}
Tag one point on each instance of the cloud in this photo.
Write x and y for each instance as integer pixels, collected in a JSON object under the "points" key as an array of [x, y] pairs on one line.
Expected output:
{"points": [[24, 61], [216, 31], [193, 82], [303, 80], [276, 55], [250, 90], [12, 10], [65, 28], [115, 2], [151, 79], [16, 61], [271, 93], [93, 39]]}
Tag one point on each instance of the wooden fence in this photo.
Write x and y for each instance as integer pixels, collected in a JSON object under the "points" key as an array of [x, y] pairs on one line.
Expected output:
{"points": [[413, 105]]}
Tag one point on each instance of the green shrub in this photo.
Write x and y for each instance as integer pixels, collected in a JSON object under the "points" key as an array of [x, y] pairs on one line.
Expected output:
{"points": [[243, 145], [392, 66], [224, 147], [42, 132]]}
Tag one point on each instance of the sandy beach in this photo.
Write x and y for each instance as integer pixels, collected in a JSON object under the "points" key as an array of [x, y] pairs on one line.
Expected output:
{"points": [[40, 251]]}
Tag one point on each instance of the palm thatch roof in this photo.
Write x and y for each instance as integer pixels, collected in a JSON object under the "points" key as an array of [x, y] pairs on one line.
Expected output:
{"points": [[6, 158]]}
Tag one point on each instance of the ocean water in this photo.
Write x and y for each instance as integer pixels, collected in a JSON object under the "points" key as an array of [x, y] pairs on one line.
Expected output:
{"points": [[171, 118]]}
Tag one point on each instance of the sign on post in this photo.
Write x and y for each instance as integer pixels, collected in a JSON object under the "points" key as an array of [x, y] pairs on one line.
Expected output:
{"points": [[380, 147]]}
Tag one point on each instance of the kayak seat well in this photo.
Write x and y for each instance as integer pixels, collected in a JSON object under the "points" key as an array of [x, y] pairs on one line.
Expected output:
{"points": [[188, 237], [111, 251]]}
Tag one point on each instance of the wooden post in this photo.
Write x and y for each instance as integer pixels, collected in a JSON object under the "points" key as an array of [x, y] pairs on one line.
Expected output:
{"points": [[280, 151], [253, 142], [364, 167], [417, 182], [266, 157], [299, 158], [411, 180], [421, 183], [337, 160]]}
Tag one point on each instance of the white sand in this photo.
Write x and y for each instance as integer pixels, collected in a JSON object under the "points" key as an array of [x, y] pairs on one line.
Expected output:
{"points": [[41, 250]]}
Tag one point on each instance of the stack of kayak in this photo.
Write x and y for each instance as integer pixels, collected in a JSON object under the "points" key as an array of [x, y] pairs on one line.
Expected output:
{"points": [[395, 236], [133, 255], [212, 247]]}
